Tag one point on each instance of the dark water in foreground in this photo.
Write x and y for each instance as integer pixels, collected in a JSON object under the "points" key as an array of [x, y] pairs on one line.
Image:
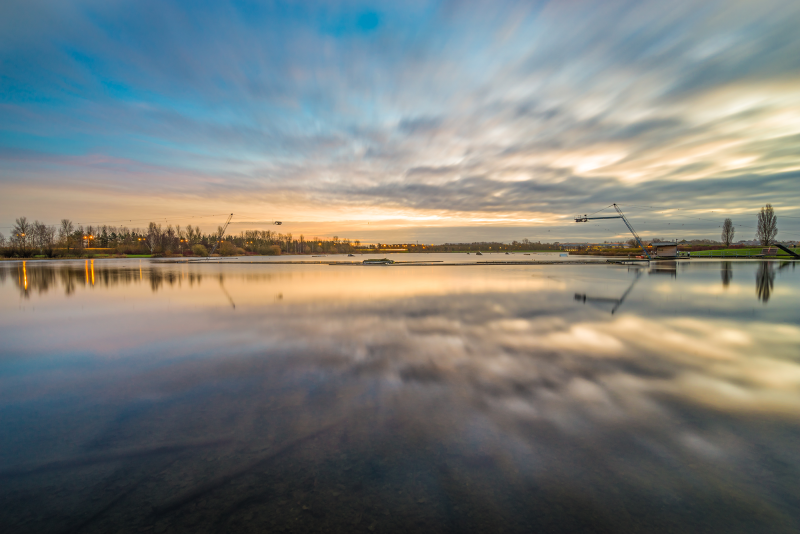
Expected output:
{"points": [[281, 398]]}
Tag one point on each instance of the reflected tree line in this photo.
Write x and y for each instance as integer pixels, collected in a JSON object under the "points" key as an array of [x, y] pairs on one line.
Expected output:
{"points": [[41, 279], [765, 277], [765, 281]]}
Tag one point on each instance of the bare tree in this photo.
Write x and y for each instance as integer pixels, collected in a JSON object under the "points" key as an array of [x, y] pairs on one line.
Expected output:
{"points": [[78, 236], [44, 238], [65, 232], [180, 235], [21, 235], [154, 237], [767, 227], [727, 232], [168, 239], [21, 231], [198, 234], [38, 233]]}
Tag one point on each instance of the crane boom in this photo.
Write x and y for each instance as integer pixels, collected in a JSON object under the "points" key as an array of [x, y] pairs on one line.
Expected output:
{"points": [[625, 220], [221, 234], [635, 235]]}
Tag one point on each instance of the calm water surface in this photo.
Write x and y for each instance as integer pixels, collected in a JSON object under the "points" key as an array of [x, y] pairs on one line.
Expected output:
{"points": [[144, 397]]}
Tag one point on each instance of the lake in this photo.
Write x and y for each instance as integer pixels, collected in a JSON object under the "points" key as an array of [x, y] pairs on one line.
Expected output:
{"points": [[138, 396]]}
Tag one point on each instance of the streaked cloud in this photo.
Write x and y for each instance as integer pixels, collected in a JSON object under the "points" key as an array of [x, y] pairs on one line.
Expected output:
{"points": [[444, 111]]}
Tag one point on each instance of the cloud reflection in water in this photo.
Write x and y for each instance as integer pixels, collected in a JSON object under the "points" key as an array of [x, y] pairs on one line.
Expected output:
{"points": [[511, 407]]}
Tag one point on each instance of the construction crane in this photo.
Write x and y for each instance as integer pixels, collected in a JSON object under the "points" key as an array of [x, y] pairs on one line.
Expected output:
{"points": [[586, 218], [221, 235]]}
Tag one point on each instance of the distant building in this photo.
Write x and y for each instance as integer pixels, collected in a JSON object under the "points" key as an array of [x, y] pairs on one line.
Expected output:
{"points": [[664, 250]]}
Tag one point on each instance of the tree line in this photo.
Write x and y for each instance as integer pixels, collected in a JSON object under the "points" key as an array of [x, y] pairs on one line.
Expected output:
{"points": [[29, 239], [67, 239], [35, 238]]}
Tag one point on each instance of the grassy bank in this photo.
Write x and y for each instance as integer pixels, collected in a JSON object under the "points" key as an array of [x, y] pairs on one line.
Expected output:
{"points": [[733, 252], [711, 253]]}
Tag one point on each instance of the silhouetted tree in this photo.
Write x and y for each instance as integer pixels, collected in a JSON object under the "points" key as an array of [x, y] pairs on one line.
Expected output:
{"points": [[65, 232], [767, 227], [44, 238], [154, 237], [21, 232], [727, 232]]}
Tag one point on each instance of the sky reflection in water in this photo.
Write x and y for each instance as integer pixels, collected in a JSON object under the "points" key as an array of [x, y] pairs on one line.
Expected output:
{"points": [[211, 398]]}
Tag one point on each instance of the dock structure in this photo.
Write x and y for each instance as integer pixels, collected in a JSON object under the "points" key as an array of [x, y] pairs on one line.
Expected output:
{"points": [[664, 249]]}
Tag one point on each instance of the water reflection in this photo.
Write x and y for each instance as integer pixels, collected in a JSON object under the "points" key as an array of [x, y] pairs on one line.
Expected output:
{"points": [[222, 286], [477, 400], [765, 280], [305, 282], [615, 303], [669, 268], [40, 278], [726, 272]]}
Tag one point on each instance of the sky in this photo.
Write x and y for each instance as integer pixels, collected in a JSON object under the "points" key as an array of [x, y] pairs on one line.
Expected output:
{"points": [[403, 121]]}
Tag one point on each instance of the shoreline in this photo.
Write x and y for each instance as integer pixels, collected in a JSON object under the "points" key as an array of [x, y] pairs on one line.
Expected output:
{"points": [[590, 260]]}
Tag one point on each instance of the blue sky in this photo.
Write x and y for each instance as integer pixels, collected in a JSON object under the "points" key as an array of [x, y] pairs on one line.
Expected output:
{"points": [[403, 121]]}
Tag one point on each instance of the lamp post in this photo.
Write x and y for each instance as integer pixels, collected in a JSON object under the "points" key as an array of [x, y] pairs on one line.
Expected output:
{"points": [[146, 243], [21, 238]]}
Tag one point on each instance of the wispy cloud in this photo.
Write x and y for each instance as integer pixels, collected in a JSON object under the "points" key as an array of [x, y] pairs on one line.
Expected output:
{"points": [[461, 111]]}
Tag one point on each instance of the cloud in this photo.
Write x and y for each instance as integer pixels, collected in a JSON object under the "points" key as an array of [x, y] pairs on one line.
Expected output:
{"points": [[461, 111]]}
